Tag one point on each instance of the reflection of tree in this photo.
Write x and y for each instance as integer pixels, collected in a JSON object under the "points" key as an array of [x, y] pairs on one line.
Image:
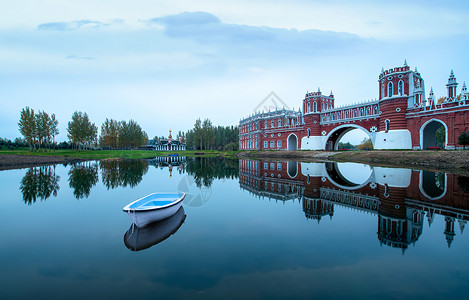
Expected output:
{"points": [[82, 177], [39, 182], [205, 170], [117, 173], [440, 180]]}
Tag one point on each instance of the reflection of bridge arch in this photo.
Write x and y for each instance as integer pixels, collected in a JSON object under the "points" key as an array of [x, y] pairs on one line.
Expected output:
{"points": [[428, 132], [292, 168], [335, 177], [334, 136], [430, 186]]}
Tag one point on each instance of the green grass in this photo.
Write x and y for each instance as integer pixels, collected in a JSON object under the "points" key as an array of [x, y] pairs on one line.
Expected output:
{"points": [[131, 154]]}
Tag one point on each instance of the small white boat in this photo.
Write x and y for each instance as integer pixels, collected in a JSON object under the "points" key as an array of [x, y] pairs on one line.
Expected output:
{"points": [[154, 207]]}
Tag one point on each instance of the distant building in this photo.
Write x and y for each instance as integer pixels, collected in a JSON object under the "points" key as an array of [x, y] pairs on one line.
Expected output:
{"points": [[169, 144], [401, 118]]}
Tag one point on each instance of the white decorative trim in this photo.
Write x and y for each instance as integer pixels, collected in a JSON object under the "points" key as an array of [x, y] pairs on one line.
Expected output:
{"points": [[323, 132]]}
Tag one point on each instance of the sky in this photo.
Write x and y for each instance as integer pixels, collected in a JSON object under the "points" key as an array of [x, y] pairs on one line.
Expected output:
{"points": [[166, 63]]}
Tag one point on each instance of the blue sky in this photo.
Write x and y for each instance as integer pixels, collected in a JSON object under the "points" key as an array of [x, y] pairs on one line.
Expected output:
{"points": [[165, 64]]}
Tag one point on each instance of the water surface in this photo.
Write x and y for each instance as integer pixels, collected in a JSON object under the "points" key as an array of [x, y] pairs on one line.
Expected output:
{"points": [[251, 229]]}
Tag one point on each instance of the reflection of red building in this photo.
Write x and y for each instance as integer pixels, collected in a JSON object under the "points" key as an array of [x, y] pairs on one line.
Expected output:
{"points": [[401, 198], [401, 118]]}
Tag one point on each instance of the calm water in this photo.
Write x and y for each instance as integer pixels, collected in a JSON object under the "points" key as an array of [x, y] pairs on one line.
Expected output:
{"points": [[250, 229]]}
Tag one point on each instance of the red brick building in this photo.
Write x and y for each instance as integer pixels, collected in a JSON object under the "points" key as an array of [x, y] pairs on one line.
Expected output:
{"points": [[401, 118]]}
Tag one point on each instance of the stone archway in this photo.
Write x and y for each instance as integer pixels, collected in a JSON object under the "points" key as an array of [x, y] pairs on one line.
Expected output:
{"points": [[428, 134], [292, 142]]}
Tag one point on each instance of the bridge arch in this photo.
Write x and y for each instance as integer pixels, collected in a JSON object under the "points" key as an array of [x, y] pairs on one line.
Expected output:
{"points": [[331, 141], [292, 142], [428, 133]]}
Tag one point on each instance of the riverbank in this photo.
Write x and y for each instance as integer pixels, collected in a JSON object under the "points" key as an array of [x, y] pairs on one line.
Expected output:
{"points": [[16, 161], [23, 158], [456, 162]]}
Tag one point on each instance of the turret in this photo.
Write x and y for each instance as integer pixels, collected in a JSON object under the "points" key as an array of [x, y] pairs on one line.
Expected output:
{"points": [[464, 92], [451, 86]]}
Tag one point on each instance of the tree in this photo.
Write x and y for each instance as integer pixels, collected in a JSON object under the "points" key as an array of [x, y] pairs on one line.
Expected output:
{"points": [[366, 144], [463, 139], [110, 134], [27, 126], [81, 131], [440, 136], [53, 128]]}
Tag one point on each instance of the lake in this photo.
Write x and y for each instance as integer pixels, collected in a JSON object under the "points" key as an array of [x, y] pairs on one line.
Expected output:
{"points": [[248, 229]]}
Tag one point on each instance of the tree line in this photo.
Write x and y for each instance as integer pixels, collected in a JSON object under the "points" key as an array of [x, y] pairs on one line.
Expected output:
{"points": [[205, 136], [40, 129]]}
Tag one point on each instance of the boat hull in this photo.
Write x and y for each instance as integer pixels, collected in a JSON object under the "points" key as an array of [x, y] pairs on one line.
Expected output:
{"points": [[142, 215]]}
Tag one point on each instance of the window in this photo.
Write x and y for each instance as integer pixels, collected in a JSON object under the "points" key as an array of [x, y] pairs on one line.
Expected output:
{"points": [[309, 132], [386, 124], [400, 88], [279, 166], [279, 122], [390, 88], [266, 165], [323, 106], [272, 144], [272, 123], [315, 106], [266, 144], [382, 91], [265, 124], [272, 166], [287, 122], [279, 144]]}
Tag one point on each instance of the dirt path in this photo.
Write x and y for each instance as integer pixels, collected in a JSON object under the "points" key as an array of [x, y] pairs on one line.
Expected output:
{"points": [[13, 161]]}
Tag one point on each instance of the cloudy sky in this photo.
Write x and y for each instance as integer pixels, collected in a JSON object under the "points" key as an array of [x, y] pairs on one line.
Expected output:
{"points": [[167, 63]]}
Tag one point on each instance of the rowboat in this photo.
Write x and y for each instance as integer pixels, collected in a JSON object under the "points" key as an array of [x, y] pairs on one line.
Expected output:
{"points": [[154, 207], [137, 239]]}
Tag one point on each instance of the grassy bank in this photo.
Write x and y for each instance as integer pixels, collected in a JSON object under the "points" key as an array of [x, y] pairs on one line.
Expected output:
{"points": [[129, 154]]}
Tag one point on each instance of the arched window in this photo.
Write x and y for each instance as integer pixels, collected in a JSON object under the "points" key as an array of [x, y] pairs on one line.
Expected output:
{"points": [[382, 91], [400, 88], [315, 107], [386, 124], [287, 122], [309, 132], [323, 106], [390, 89], [279, 122], [308, 107], [265, 124]]}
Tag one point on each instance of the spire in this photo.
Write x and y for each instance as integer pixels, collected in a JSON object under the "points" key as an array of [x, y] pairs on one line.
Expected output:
{"points": [[462, 224], [405, 63], [331, 95], [416, 71]]}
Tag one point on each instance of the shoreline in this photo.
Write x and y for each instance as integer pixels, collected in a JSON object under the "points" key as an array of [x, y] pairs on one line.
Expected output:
{"points": [[17, 161], [456, 162]]}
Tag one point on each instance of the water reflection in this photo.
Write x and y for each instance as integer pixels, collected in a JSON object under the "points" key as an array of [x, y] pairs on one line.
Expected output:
{"points": [[82, 177], [39, 182], [116, 173], [137, 239], [400, 198]]}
